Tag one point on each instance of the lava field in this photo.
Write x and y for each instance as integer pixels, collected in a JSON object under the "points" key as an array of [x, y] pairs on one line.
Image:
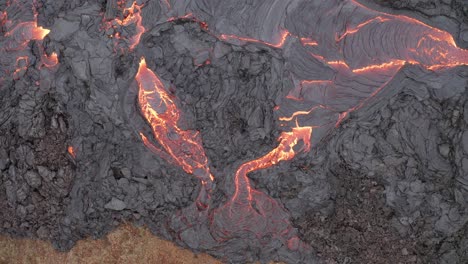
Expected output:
{"points": [[299, 131]]}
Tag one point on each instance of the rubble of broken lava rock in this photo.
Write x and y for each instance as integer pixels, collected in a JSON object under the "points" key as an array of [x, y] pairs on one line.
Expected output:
{"points": [[294, 131]]}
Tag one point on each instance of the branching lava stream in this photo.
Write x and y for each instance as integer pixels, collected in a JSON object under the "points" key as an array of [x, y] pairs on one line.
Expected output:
{"points": [[249, 212], [247, 206], [338, 56]]}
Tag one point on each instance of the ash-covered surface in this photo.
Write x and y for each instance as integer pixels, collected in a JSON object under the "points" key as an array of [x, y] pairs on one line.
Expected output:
{"points": [[388, 185]]}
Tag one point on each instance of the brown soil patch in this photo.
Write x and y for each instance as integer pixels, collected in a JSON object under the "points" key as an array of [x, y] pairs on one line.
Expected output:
{"points": [[127, 244]]}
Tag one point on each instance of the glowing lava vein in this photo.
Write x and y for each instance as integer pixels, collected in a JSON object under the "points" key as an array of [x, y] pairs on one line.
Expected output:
{"points": [[161, 112], [132, 16], [355, 76], [284, 151], [185, 148]]}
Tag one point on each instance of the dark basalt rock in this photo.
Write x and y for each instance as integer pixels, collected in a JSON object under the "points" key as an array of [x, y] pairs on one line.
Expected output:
{"points": [[389, 184]]}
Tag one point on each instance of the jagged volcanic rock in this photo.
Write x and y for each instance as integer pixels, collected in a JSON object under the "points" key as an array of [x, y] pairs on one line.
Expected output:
{"points": [[384, 94]]}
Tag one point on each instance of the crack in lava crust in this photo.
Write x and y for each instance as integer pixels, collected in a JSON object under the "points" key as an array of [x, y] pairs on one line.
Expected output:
{"points": [[350, 54], [346, 50], [14, 44], [132, 15], [184, 147], [248, 211], [251, 213]]}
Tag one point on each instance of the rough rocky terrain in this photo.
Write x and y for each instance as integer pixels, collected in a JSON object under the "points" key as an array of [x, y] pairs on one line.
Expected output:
{"points": [[386, 184]]}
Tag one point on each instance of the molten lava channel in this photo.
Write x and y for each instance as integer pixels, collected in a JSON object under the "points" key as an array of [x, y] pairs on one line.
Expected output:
{"points": [[161, 112], [247, 205], [249, 210], [283, 152]]}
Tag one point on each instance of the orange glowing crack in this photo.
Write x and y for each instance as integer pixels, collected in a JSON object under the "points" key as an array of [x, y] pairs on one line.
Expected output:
{"points": [[360, 26], [71, 151], [49, 61], [315, 82], [399, 17], [374, 93], [435, 50], [443, 66], [22, 64], [298, 113], [308, 42], [444, 38], [341, 117], [296, 93], [187, 16], [161, 113], [338, 63], [283, 152], [185, 148], [441, 50], [18, 37], [132, 15], [283, 36], [26, 31], [384, 66], [295, 98]]}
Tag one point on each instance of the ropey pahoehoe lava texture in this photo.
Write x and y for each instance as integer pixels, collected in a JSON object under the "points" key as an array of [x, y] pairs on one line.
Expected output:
{"points": [[296, 131]]}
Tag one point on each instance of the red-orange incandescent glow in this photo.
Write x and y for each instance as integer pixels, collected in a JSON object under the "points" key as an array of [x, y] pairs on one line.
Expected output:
{"points": [[433, 50], [296, 94], [298, 113], [21, 66], [186, 16], [384, 66], [284, 151], [18, 36], [132, 15], [360, 26], [160, 110], [185, 148], [49, 61], [337, 64], [282, 39], [249, 210], [23, 32], [71, 151], [308, 42], [26, 31]]}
